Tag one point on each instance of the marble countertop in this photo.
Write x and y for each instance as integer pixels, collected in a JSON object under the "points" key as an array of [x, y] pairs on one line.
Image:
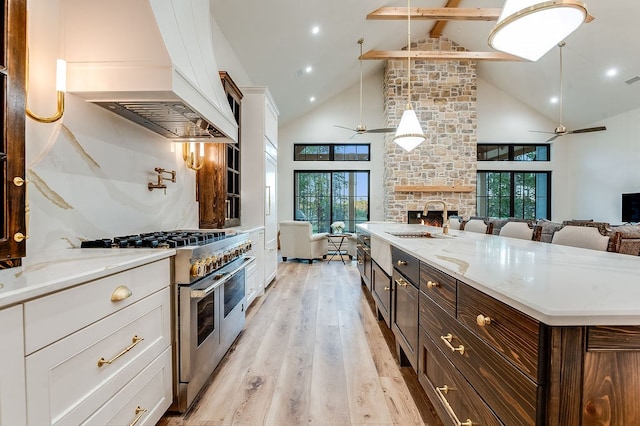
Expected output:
{"points": [[60, 269], [557, 285]]}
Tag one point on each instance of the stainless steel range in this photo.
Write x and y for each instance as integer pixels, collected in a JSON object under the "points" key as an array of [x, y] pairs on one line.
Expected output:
{"points": [[208, 276]]}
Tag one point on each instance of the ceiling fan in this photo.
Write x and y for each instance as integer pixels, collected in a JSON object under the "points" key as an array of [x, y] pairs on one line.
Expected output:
{"points": [[561, 130], [361, 128]]}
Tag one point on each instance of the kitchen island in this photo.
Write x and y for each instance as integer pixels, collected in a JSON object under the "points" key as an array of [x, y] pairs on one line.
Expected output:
{"points": [[513, 331]]}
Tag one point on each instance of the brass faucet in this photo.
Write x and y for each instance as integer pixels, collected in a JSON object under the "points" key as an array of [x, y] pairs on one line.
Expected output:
{"points": [[161, 179], [445, 220]]}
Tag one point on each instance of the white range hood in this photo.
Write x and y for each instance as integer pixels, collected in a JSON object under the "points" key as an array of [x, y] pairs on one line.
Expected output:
{"points": [[150, 61]]}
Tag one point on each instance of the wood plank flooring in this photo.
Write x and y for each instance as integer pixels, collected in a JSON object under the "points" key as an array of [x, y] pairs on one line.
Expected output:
{"points": [[312, 352]]}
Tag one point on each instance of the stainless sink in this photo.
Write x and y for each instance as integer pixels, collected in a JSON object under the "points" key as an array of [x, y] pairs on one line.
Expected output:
{"points": [[419, 234]]}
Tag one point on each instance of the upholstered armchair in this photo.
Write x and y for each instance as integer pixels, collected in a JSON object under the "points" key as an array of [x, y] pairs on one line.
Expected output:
{"points": [[297, 241]]}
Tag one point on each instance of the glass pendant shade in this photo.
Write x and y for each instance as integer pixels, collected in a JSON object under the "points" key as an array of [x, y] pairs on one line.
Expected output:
{"points": [[530, 28], [409, 133]]}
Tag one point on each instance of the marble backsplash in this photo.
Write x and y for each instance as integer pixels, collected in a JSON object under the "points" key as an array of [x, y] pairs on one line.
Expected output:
{"points": [[88, 177]]}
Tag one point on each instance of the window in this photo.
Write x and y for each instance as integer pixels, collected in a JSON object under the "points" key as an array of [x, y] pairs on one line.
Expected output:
{"points": [[525, 195], [513, 152], [323, 197], [331, 152]]}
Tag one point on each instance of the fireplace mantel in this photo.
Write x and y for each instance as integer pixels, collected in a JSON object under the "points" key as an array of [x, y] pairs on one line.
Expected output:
{"points": [[434, 188]]}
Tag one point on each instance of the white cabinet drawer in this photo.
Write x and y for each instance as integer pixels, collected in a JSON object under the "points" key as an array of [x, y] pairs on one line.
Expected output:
{"points": [[145, 398], [66, 385], [53, 317]]}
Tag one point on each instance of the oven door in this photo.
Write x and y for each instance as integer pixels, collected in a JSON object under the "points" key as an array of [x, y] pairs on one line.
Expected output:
{"points": [[234, 303]]}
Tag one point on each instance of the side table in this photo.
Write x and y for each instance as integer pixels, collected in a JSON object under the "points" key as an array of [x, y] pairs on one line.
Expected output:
{"points": [[336, 241]]}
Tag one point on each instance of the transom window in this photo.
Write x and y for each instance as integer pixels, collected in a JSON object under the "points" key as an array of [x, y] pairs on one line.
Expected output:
{"points": [[324, 197], [331, 152], [513, 152]]}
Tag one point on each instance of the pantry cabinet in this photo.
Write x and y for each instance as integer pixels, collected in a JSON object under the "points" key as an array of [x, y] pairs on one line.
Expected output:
{"points": [[259, 117]]}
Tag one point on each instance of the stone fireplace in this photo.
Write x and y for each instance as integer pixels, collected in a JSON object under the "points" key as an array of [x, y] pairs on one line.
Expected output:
{"points": [[444, 166]]}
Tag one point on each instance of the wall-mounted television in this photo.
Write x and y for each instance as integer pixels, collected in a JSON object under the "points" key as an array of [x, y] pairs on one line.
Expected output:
{"points": [[631, 207]]}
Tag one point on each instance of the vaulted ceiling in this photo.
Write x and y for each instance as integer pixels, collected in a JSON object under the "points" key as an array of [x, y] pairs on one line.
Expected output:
{"points": [[274, 43]]}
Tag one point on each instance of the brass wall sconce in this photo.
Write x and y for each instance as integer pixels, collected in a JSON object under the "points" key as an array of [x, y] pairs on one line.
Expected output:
{"points": [[193, 155], [61, 87], [161, 179]]}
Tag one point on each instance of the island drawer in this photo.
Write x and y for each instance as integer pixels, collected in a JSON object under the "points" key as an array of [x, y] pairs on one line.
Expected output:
{"points": [[406, 264], [450, 393], [53, 317], [510, 393], [613, 338], [439, 286], [507, 330]]}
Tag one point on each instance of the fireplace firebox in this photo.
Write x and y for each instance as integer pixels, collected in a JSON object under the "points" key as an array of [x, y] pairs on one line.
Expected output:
{"points": [[433, 217]]}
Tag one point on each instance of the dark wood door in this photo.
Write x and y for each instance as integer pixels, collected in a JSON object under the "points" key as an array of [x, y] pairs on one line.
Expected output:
{"points": [[12, 72]]}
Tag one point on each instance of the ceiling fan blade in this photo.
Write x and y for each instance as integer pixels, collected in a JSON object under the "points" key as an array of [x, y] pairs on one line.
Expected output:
{"points": [[343, 127], [589, 129], [553, 138], [542, 131], [382, 130]]}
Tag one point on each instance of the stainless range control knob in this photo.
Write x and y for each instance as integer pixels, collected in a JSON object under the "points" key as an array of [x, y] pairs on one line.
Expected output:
{"points": [[198, 269]]}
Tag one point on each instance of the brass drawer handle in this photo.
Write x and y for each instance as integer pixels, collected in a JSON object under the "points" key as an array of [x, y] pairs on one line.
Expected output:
{"points": [[441, 394], [447, 341], [432, 284], [401, 282], [481, 320], [387, 289], [139, 413], [136, 340], [402, 263], [120, 293]]}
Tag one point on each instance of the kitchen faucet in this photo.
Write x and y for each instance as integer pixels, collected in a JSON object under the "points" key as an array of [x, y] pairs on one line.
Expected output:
{"points": [[445, 220]]}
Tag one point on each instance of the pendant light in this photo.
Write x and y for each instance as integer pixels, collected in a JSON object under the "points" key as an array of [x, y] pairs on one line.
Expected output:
{"points": [[530, 28], [409, 133]]}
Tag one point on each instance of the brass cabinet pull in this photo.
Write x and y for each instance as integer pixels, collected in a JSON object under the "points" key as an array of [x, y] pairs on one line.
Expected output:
{"points": [[120, 293], [139, 413], [401, 282], [447, 341], [19, 237], [441, 394], [402, 263], [387, 289], [432, 284], [482, 320], [136, 340]]}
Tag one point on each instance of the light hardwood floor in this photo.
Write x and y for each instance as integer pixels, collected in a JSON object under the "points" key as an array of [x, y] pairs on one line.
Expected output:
{"points": [[312, 352]]}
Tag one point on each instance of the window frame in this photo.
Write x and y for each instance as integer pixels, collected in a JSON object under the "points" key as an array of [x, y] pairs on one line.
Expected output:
{"points": [[331, 172], [332, 149], [511, 151]]}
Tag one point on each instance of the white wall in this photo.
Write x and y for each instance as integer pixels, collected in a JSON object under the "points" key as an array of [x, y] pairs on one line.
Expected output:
{"points": [[319, 126], [601, 166]]}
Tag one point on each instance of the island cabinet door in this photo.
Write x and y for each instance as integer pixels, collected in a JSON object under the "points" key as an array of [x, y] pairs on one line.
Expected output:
{"points": [[381, 290], [405, 318]]}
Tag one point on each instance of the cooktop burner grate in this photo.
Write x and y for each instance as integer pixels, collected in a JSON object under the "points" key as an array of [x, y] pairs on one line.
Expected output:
{"points": [[163, 239]]}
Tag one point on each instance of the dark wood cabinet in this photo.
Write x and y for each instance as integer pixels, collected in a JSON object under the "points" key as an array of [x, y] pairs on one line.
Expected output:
{"points": [[404, 309], [218, 182], [363, 253], [12, 156], [381, 290]]}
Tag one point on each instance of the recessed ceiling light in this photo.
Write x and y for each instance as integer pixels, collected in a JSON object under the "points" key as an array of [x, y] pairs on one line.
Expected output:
{"points": [[611, 72], [312, 99], [308, 69], [554, 100], [315, 30]]}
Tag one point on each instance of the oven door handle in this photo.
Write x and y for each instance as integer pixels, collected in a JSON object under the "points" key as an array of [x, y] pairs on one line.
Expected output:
{"points": [[201, 293]]}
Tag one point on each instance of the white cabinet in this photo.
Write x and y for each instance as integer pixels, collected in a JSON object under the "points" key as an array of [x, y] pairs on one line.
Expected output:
{"points": [[115, 364], [12, 384], [259, 171], [255, 271]]}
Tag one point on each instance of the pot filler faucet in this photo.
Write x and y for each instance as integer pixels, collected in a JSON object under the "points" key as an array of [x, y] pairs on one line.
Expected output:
{"points": [[445, 220]]}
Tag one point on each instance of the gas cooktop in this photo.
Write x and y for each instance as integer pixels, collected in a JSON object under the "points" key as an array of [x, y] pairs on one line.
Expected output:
{"points": [[162, 239]]}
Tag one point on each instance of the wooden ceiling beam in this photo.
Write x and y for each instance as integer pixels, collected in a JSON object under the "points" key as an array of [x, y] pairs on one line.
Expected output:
{"points": [[443, 13], [438, 26], [440, 55]]}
